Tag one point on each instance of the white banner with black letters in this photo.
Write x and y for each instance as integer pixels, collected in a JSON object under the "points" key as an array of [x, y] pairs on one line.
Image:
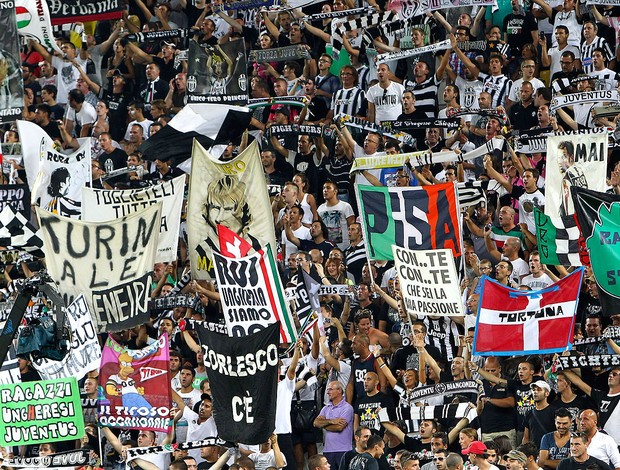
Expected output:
{"points": [[244, 378], [110, 263], [252, 294], [573, 160], [100, 205], [84, 353], [429, 281]]}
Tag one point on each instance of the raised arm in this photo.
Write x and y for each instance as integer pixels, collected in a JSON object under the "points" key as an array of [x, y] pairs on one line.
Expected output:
{"points": [[545, 7], [42, 50], [487, 376], [290, 372], [271, 27]]}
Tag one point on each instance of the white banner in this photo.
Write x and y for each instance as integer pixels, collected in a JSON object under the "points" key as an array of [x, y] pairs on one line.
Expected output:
{"points": [[34, 22], [109, 262], [428, 281], [101, 205], [573, 160], [252, 294], [84, 353], [58, 187], [233, 194], [33, 148]]}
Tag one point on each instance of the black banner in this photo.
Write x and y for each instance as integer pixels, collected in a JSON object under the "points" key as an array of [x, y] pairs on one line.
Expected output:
{"points": [[129, 297], [411, 124], [288, 129], [279, 54], [17, 196], [155, 35], [75, 11], [595, 360], [602, 239], [11, 84], [244, 377], [216, 74]]}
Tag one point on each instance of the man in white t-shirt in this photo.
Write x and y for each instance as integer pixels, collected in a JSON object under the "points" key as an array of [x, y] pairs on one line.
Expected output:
{"points": [[292, 221], [68, 73], [190, 397], [337, 216], [269, 455], [538, 278], [385, 99], [199, 425], [80, 115]]}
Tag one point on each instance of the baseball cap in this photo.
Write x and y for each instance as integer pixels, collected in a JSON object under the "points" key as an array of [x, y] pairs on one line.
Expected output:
{"points": [[516, 455], [166, 43], [476, 448], [541, 384], [284, 110]]}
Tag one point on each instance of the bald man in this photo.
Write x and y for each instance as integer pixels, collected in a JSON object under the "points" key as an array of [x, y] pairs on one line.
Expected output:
{"points": [[365, 414], [601, 446]]}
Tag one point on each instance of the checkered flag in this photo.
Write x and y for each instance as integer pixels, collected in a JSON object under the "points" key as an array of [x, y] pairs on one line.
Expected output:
{"points": [[558, 239], [17, 233]]}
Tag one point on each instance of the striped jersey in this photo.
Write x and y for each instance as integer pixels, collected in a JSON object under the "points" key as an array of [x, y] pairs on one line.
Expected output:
{"points": [[498, 87], [350, 101]]}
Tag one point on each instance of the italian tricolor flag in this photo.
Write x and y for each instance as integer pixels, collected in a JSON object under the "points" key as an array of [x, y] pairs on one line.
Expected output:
{"points": [[23, 17]]}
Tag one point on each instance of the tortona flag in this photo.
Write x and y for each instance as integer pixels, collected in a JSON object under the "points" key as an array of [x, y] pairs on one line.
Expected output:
{"points": [[512, 321]]}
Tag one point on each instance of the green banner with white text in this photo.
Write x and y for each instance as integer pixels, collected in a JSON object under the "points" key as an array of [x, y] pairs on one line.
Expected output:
{"points": [[42, 411]]}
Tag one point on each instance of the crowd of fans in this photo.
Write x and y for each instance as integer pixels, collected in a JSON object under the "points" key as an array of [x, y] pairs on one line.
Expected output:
{"points": [[119, 93]]}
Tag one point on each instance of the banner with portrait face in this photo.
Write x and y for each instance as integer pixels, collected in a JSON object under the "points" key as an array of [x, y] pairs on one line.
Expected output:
{"points": [[11, 83], [231, 193], [578, 160], [59, 183], [217, 74]]}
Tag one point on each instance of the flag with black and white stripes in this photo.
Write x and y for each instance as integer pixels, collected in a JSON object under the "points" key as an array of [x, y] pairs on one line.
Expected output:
{"points": [[410, 415], [472, 193]]}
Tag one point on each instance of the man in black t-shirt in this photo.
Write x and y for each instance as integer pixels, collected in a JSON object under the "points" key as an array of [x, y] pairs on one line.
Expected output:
{"points": [[579, 459], [365, 407], [541, 419], [369, 460], [112, 158]]}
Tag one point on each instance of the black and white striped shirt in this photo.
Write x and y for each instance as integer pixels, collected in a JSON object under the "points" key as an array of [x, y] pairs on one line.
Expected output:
{"points": [[363, 77], [498, 87], [586, 53], [425, 94], [350, 101]]}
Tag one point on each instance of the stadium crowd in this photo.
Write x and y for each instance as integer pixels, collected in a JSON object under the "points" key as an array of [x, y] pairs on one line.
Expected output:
{"points": [[374, 355]]}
